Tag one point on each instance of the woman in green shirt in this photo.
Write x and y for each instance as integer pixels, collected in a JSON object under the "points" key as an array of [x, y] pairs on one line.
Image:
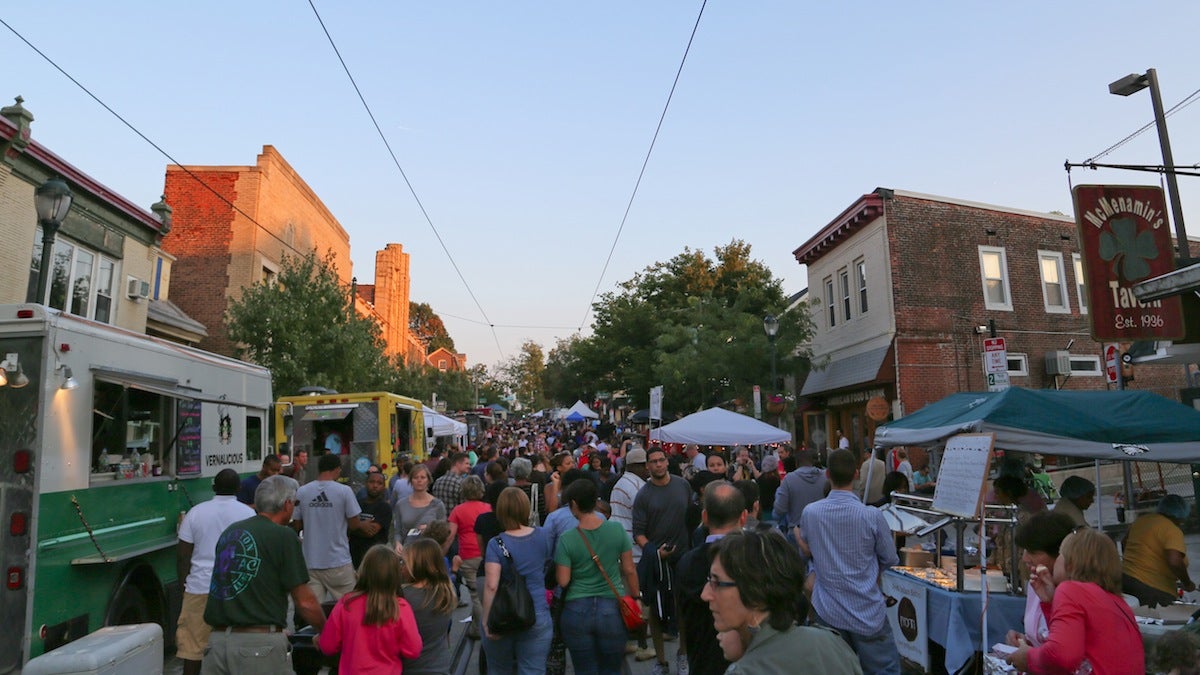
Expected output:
{"points": [[597, 633]]}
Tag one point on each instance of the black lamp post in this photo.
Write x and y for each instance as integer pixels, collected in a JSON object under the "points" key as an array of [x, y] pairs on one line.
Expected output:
{"points": [[1131, 84], [52, 200], [771, 326]]}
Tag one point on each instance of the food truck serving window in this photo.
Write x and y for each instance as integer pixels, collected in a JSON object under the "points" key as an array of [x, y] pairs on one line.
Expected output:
{"points": [[326, 413]]}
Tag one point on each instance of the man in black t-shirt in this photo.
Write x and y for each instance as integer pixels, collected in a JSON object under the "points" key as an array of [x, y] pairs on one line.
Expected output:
{"points": [[376, 509], [258, 564]]}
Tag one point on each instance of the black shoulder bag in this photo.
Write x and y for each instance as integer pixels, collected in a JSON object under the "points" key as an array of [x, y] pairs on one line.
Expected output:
{"points": [[512, 608]]}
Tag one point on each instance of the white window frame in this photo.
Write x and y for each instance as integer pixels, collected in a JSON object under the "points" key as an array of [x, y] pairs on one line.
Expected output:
{"points": [[1080, 283], [830, 303], [1005, 306], [1022, 362], [94, 284], [1056, 258], [1094, 369], [860, 274], [844, 282]]}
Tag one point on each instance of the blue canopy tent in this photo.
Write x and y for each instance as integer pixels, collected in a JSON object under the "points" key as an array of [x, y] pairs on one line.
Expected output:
{"points": [[1129, 425]]}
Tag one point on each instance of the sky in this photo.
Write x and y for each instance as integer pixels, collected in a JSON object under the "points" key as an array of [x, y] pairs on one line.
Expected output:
{"points": [[523, 126]]}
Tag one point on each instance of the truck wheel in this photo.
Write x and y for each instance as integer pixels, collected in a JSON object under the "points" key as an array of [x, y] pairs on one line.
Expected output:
{"points": [[128, 607]]}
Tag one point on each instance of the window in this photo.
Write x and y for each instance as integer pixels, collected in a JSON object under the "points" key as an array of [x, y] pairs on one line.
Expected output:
{"points": [[993, 266], [1086, 365], [254, 437], [830, 302], [844, 280], [1080, 283], [1018, 365], [1054, 282], [860, 271], [130, 432], [442, 364], [81, 281]]}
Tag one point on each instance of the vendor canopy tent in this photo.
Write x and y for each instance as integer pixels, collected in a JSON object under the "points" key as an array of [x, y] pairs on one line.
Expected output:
{"points": [[717, 426], [442, 425], [580, 412], [1095, 424]]}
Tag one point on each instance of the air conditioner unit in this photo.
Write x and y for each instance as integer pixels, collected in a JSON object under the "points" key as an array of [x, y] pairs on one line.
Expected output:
{"points": [[138, 289], [1058, 362]]}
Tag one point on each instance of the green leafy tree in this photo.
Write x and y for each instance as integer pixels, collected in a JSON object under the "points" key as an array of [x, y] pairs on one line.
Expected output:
{"points": [[428, 327], [563, 381], [693, 324], [301, 326], [522, 375]]}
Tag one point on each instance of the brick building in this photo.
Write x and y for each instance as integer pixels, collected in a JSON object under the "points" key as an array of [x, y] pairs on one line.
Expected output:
{"points": [[904, 288], [107, 264], [222, 249]]}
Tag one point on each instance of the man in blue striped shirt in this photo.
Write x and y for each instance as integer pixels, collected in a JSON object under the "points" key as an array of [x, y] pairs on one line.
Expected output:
{"points": [[851, 545]]}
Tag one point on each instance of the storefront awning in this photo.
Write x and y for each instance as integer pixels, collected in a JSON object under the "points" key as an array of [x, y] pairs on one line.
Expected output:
{"points": [[846, 372], [328, 412]]}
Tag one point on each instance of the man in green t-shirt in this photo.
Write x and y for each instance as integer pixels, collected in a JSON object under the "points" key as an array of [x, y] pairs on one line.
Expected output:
{"points": [[259, 563]]}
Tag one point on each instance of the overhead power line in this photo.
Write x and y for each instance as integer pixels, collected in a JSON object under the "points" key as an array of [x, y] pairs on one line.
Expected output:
{"points": [[645, 162], [1187, 101], [404, 175]]}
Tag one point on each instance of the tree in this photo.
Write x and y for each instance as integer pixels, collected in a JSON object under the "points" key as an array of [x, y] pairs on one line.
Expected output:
{"points": [[562, 381], [693, 324], [428, 327], [302, 327], [522, 375]]}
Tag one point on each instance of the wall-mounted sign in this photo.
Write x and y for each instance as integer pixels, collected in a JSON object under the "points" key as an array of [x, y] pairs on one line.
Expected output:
{"points": [[1125, 238], [878, 408]]}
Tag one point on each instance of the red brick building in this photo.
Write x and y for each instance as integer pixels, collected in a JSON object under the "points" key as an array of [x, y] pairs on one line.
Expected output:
{"points": [[905, 287]]}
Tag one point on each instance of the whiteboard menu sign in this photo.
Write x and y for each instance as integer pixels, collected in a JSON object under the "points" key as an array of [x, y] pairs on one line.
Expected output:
{"points": [[963, 474]]}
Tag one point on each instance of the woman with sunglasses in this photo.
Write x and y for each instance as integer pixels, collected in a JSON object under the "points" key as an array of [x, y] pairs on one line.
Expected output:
{"points": [[754, 580]]}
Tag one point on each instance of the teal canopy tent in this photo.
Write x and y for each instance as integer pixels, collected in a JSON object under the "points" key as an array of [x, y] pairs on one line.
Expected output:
{"points": [[1126, 424]]}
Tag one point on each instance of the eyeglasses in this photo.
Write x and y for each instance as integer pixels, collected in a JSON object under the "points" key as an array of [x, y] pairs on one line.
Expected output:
{"points": [[717, 584]]}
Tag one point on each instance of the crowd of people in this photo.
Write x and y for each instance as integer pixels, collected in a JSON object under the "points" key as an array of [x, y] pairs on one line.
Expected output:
{"points": [[752, 561]]}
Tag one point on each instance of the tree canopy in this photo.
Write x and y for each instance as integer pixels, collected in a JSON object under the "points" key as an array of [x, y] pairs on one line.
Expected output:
{"points": [[302, 326], [693, 324], [427, 326]]}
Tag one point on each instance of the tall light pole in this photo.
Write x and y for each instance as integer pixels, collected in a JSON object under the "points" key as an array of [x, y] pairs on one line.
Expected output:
{"points": [[51, 200], [1131, 84], [771, 326]]}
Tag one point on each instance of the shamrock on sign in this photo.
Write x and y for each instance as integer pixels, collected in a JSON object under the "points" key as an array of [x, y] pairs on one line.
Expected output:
{"points": [[1127, 249]]}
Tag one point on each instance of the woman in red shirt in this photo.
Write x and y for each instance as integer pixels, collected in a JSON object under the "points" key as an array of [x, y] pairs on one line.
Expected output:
{"points": [[372, 627], [462, 525], [1089, 621]]}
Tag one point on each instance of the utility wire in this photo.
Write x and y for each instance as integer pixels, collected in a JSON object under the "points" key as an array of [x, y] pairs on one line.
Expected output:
{"points": [[645, 162], [1190, 99], [502, 325], [152, 144], [403, 175]]}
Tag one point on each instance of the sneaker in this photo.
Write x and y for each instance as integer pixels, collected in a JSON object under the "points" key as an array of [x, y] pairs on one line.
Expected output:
{"points": [[681, 664], [630, 647], [661, 668], [644, 654]]}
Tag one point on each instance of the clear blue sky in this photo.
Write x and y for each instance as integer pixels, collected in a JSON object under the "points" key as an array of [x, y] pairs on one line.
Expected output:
{"points": [[523, 125]]}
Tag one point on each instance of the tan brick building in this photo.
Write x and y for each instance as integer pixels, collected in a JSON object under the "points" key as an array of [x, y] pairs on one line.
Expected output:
{"points": [[222, 249]]}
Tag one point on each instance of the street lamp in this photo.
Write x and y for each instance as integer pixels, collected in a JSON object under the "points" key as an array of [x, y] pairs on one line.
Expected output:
{"points": [[52, 200], [1131, 84], [771, 326]]}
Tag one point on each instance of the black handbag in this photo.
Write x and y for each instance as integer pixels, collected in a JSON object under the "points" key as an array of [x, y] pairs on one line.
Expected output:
{"points": [[512, 608]]}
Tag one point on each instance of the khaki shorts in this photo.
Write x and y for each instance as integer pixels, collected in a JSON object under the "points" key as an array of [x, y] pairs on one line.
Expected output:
{"points": [[191, 635], [337, 581]]}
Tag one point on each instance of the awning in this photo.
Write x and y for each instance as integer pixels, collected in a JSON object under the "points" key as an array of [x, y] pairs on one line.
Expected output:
{"points": [[163, 386], [846, 372], [328, 412]]}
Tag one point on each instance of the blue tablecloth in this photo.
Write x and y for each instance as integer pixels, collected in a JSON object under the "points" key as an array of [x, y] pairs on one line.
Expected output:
{"points": [[954, 621]]}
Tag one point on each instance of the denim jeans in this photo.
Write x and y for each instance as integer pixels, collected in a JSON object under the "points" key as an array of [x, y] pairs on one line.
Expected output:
{"points": [[877, 653], [595, 635], [520, 654]]}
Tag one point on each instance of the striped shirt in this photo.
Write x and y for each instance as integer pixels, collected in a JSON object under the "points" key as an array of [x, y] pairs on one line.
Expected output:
{"points": [[851, 545]]}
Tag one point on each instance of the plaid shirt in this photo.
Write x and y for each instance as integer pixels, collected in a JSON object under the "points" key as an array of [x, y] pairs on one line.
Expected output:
{"points": [[448, 488]]}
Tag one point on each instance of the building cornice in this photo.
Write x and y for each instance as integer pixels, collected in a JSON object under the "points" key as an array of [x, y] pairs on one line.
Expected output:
{"points": [[854, 218]]}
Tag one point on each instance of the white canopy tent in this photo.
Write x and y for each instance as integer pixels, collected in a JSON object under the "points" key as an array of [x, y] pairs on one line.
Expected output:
{"points": [[438, 424], [579, 411], [717, 426]]}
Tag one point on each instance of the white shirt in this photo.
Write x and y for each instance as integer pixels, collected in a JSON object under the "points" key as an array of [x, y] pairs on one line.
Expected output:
{"points": [[843, 443], [325, 506], [700, 461], [621, 503], [201, 528]]}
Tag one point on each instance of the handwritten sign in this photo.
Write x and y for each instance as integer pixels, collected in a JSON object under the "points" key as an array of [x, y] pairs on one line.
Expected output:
{"points": [[188, 440], [964, 470]]}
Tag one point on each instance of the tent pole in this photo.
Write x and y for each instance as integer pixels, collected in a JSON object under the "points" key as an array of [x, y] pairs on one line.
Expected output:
{"points": [[1099, 501]]}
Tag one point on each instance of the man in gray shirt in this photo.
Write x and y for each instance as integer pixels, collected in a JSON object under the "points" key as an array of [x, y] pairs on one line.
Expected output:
{"points": [[326, 513], [660, 528]]}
